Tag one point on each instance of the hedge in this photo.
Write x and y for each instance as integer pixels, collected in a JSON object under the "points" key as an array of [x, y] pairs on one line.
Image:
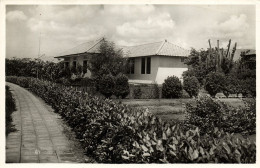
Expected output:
{"points": [[114, 133]]}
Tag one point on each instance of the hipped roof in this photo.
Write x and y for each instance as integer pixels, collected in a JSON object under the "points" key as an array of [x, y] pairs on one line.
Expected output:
{"points": [[162, 48]]}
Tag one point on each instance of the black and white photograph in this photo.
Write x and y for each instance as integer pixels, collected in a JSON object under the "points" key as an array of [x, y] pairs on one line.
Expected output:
{"points": [[124, 83]]}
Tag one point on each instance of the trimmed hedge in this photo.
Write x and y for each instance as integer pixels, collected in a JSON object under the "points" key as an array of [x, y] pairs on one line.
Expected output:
{"points": [[114, 133]]}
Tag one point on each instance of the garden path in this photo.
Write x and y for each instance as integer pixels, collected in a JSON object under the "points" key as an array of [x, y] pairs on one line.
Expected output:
{"points": [[39, 137]]}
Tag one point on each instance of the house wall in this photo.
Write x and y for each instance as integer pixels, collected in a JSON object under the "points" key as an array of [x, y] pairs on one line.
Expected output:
{"points": [[79, 60], [156, 62]]}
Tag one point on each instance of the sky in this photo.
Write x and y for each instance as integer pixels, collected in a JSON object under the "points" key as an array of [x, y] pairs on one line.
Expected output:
{"points": [[61, 27]]}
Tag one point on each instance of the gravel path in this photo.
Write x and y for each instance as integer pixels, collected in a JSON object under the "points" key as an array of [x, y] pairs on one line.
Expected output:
{"points": [[40, 135]]}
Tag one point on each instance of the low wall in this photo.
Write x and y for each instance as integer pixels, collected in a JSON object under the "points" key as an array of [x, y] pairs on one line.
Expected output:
{"points": [[144, 91]]}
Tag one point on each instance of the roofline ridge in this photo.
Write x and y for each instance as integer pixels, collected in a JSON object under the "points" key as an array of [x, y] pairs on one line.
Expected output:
{"points": [[102, 38], [144, 44], [159, 49], [178, 46], [80, 45]]}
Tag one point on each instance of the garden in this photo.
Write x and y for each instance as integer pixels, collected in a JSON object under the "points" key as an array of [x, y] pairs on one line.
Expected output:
{"points": [[112, 132]]}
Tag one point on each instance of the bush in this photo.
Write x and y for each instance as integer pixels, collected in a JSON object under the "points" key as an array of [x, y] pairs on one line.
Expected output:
{"points": [[121, 86], [207, 114], [191, 85], [241, 119], [214, 83], [115, 133], [172, 87], [106, 85]]}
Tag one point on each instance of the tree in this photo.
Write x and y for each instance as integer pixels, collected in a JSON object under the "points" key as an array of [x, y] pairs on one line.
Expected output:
{"points": [[109, 61], [215, 83], [191, 85], [203, 62]]}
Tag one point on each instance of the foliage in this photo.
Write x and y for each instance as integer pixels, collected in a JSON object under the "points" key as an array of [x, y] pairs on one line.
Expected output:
{"points": [[214, 83], [208, 114], [107, 85], [121, 88], [29, 67], [109, 61], [242, 119], [172, 87], [10, 107], [191, 85], [114, 133]]}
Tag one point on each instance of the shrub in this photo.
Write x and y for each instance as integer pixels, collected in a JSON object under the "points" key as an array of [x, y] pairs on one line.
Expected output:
{"points": [[106, 85], [115, 133], [191, 85], [207, 114], [172, 87], [214, 83], [241, 119], [121, 86]]}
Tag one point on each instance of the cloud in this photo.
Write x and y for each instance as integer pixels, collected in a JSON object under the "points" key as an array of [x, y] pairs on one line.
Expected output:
{"points": [[235, 26], [153, 28], [15, 15], [65, 26]]}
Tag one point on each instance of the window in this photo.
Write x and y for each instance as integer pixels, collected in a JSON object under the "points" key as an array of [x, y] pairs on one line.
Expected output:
{"points": [[148, 65], [143, 66], [74, 65], [66, 65], [85, 66], [131, 66], [182, 59], [131, 63]]}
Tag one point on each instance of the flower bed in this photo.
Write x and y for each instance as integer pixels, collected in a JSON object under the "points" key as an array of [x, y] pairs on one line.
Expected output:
{"points": [[114, 133]]}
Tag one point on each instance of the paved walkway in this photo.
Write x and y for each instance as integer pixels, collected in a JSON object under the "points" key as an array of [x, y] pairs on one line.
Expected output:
{"points": [[39, 137]]}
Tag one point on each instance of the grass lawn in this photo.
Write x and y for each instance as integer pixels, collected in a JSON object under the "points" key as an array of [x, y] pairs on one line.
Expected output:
{"points": [[171, 109]]}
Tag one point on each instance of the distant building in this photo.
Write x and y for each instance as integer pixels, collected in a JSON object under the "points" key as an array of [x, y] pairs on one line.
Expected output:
{"points": [[149, 63], [249, 59]]}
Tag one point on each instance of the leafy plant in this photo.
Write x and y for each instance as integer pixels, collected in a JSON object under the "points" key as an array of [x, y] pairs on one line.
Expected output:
{"points": [[114, 133]]}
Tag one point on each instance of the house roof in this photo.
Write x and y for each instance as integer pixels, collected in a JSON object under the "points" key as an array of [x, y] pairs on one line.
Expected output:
{"points": [[239, 51], [87, 47], [251, 52], [162, 48]]}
